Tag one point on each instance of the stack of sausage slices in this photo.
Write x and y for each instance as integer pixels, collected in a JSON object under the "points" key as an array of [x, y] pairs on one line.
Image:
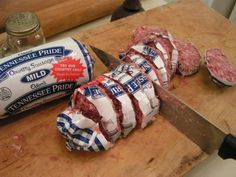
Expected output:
{"points": [[114, 104]]}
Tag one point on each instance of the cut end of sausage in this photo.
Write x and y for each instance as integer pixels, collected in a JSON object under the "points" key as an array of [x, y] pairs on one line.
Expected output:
{"points": [[142, 31], [219, 67], [189, 58]]}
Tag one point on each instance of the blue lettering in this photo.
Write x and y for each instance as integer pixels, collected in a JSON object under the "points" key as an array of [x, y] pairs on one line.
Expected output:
{"points": [[149, 51], [141, 79], [116, 90], [146, 67], [54, 51], [132, 86], [38, 94], [34, 76], [94, 92]]}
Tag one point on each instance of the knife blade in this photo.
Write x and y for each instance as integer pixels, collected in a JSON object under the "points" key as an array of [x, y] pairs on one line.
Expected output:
{"points": [[108, 60], [191, 123]]}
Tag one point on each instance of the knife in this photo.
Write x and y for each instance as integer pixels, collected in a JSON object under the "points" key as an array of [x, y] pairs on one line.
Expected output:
{"points": [[191, 123]]}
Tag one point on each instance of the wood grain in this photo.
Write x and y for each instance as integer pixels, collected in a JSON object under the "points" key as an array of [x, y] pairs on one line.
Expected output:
{"points": [[31, 145], [35, 148], [192, 21], [69, 14]]}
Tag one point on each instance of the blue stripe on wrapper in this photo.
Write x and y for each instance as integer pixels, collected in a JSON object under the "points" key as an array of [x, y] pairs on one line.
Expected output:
{"points": [[88, 131], [81, 138], [78, 138], [87, 58], [70, 145], [99, 144], [68, 119], [61, 125], [91, 149], [72, 125], [146, 66]]}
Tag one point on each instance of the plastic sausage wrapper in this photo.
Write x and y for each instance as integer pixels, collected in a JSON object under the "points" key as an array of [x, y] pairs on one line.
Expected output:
{"points": [[42, 74], [108, 108], [113, 105]]}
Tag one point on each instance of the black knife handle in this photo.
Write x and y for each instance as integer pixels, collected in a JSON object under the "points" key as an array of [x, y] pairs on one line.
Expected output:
{"points": [[228, 148], [129, 7]]}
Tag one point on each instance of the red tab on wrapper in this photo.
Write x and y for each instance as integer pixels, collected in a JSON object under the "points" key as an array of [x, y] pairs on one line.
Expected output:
{"points": [[68, 69]]}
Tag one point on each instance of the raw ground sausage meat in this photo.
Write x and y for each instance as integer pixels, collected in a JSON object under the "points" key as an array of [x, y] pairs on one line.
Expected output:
{"points": [[189, 58], [112, 105], [160, 39], [125, 106], [142, 105], [219, 67], [109, 113], [142, 31], [98, 115], [145, 84]]}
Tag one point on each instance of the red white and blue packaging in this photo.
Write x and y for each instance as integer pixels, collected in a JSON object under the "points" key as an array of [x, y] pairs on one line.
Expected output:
{"points": [[128, 121], [146, 85], [133, 87], [43, 74], [105, 107], [80, 132], [156, 59]]}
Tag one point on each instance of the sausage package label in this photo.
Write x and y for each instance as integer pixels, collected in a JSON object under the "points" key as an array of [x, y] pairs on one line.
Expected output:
{"points": [[174, 53], [134, 88], [157, 60], [145, 65], [146, 86], [163, 51], [42, 74], [105, 109], [129, 122]]}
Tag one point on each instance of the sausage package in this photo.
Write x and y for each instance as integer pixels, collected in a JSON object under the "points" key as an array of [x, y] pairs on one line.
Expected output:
{"points": [[142, 107], [128, 122], [145, 84], [113, 105], [81, 132], [155, 58], [145, 65], [105, 108], [42, 74]]}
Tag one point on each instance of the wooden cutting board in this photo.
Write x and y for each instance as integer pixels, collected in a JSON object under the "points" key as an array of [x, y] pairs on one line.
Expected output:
{"points": [[31, 146]]}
